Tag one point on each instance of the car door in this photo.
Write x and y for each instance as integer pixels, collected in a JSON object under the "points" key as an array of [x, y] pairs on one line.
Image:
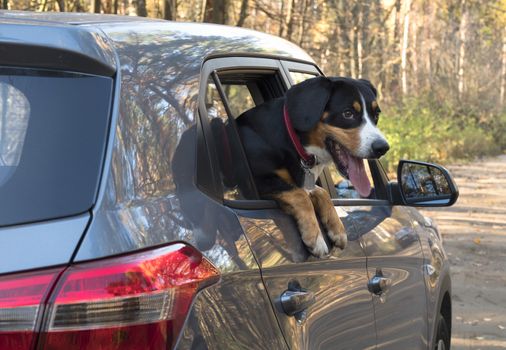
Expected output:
{"points": [[395, 256], [319, 303], [394, 263]]}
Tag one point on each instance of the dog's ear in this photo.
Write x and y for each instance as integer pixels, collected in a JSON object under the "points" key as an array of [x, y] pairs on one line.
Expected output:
{"points": [[306, 102], [370, 86]]}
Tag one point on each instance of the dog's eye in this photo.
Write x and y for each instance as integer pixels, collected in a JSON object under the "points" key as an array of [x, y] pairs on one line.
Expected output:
{"points": [[348, 114]]}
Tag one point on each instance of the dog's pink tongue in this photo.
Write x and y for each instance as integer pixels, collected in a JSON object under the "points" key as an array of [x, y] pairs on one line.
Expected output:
{"points": [[358, 177]]}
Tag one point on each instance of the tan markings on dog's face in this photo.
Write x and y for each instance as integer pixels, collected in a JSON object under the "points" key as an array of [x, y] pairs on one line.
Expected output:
{"points": [[374, 105], [324, 116], [349, 138], [297, 203], [285, 175], [357, 106], [316, 137]]}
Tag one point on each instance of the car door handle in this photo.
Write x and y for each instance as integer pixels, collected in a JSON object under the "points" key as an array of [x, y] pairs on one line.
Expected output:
{"points": [[296, 301], [379, 284]]}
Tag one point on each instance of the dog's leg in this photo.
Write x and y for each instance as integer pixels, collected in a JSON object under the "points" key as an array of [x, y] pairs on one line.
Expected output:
{"points": [[328, 216], [297, 203]]}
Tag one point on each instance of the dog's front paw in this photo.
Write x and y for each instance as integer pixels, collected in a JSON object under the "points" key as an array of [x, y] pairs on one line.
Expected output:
{"points": [[319, 248], [339, 239]]}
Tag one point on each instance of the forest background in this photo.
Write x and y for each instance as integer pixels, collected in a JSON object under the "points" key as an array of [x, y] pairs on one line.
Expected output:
{"points": [[439, 66]]}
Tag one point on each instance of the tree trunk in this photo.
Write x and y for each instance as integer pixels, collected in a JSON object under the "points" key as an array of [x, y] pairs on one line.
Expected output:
{"points": [[503, 71], [215, 11], [203, 7], [414, 51], [462, 47], [404, 51], [61, 5], [364, 39], [302, 25], [354, 47], [344, 50], [5, 4], [243, 14], [141, 8], [395, 67], [96, 6], [381, 44], [282, 22], [359, 52], [426, 43], [291, 15], [170, 10]]}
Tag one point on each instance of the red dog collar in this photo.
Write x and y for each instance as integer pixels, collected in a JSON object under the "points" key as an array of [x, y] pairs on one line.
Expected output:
{"points": [[308, 160]]}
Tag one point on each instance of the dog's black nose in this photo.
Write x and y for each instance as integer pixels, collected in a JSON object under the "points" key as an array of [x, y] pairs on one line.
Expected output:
{"points": [[380, 147]]}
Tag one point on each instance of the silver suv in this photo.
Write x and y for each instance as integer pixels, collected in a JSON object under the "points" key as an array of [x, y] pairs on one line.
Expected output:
{"points": [[129, 219]]}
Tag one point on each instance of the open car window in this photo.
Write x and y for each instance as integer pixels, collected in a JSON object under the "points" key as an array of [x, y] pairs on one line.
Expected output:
{"points": [[228, 93]]}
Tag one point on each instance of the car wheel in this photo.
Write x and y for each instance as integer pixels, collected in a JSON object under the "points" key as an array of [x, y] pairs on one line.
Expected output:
{"points": [[442, 341]]}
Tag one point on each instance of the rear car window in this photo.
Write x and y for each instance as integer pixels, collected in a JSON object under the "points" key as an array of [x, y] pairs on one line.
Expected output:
{"points": [[53, 128]]}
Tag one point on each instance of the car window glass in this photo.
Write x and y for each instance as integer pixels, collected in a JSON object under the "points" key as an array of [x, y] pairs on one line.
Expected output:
{"points": [[344, 187], [243, 90], [223, 139], [298, 77], [51, 142], [239, 98]]}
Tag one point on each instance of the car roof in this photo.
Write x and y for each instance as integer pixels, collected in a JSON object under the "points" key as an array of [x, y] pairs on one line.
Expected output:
{"points": [[86, 36]]}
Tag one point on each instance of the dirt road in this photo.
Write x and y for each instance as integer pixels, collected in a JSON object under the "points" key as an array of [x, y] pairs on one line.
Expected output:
{"points": [[474, 233]]}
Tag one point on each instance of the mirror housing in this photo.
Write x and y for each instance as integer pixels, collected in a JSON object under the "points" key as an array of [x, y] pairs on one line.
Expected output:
{"points": [[425, 185]]}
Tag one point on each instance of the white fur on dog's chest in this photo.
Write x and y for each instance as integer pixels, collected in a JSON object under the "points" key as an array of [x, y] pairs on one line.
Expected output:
{"points": [[323, 158]]}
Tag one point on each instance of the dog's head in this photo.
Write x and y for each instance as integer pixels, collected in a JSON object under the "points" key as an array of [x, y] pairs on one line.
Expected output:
{"points": [[337, 119]]}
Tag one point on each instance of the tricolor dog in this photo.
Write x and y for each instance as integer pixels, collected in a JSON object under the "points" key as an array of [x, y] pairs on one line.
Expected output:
{"points": [[288, 141]]}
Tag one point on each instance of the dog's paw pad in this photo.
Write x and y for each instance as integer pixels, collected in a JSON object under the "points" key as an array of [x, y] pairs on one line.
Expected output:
{"points": [[320, 248], [339, 239]]}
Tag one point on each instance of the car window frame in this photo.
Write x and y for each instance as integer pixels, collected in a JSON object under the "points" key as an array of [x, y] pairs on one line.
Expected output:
{"points": [[281, 65], [210, 70]]}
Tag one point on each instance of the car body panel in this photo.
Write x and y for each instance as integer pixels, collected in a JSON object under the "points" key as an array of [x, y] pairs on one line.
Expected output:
{"points": [[437, 271], [25, 247], [392, 246], [342, 316], [234, 314]]}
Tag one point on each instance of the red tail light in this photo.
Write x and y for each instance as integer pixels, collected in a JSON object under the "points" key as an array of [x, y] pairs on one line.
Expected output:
{"points": [[21, 300], [138, 301]]}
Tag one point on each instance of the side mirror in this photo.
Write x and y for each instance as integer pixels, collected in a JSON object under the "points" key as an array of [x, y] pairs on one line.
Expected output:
{"points": [[426, 185]]}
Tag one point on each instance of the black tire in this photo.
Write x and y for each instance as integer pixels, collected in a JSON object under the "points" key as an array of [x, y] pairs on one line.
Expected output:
{"points": [[442, 340]]}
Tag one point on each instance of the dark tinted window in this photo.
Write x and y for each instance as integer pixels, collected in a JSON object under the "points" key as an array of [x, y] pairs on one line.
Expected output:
{"points": [[53, 129]]}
